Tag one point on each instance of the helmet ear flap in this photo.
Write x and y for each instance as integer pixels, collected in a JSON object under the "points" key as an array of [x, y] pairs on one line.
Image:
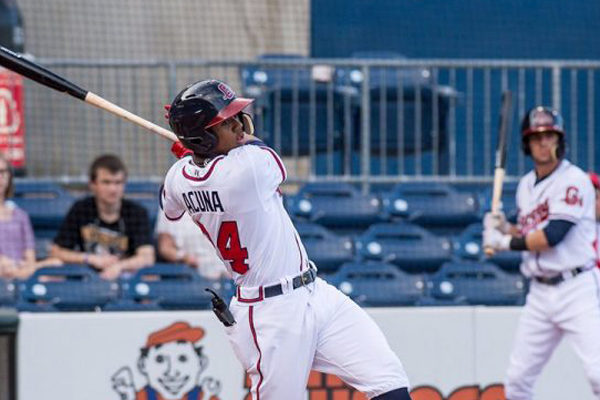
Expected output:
{"points": [[247, 122]]}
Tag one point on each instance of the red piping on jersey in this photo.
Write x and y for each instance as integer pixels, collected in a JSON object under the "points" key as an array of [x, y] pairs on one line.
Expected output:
{"points": [[176, 218], [260, 297], [299, 250], [279, 163], [253, 330], [205, 233], [206, 176]]}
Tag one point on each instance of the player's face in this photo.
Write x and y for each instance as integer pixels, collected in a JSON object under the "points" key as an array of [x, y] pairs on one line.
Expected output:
{"points": [[4, 177], [543, 146], [108, 188], [173, 369], [229, 133]]}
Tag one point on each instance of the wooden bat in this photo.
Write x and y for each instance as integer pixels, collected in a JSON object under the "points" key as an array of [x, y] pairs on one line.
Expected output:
{"points": [[41, 75], [499, 170]]}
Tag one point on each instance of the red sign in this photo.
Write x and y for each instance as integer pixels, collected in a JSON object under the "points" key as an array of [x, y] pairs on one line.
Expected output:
{"points": [[12, 121]]}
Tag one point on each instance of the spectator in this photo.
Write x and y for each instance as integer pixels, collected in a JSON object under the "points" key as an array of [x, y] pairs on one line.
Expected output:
{"points": [[17, 243], [105, 231], [182, 242]]}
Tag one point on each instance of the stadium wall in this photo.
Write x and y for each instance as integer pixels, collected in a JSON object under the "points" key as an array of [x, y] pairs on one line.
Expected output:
{"points": [[449, 354]]}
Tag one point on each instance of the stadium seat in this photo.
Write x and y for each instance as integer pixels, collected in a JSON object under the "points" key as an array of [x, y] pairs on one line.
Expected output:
{"points": [[477, 283], [172, 286], [286, 98], [67, 288], [468, 246], [431, 204], [335, 205], [8, 294], [44, 237], [146, 194], [326, 249], [46, 202], [132, 305], [509, 200], [377, 284], [406, 245]]}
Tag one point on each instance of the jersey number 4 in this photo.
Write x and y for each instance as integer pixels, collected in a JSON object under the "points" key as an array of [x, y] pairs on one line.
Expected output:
{"points": [[230, 247]]}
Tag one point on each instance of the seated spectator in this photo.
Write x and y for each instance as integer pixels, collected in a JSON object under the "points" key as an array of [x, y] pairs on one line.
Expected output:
{"points": [[17, 243], [182, 242], [106, 231]]}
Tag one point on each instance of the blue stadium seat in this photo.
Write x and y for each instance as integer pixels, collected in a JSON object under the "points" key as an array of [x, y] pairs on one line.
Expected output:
{"points": [[46, 203], [477, 283], [146, 194], [431, 204], [132, 305], [509, 200], [377, 284], [44, 237], [8, 294], [326, 249], [286, 97], [406, 245], [468, 246], [172, 286], [335, 205], [66, 288]]}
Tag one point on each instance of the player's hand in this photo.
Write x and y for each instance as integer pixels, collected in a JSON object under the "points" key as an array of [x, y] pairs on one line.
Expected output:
{"points": [[496, 221], [496, 240], [180, 151]]}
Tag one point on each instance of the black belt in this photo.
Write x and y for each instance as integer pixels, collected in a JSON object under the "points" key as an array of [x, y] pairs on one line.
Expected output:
{"points": [[303, 279], [555, 280]]}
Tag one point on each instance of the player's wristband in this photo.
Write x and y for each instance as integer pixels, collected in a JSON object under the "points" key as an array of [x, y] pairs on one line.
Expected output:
{"points": [[518, 243]]}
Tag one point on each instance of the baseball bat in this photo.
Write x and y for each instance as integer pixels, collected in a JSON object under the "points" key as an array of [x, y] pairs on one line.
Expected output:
{"points": [[500, 161], [29, 69]]}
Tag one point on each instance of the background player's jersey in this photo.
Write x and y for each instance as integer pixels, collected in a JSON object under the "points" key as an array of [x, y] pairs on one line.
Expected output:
{"points": [[566, 194], [235, 200]]}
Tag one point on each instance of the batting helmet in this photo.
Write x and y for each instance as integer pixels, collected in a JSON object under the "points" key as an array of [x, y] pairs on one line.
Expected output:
{"points": [[542, 119], [201, 106]]}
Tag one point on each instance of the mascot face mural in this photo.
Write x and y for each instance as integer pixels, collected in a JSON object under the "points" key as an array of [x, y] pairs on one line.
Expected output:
{"points": [[173, 368]]}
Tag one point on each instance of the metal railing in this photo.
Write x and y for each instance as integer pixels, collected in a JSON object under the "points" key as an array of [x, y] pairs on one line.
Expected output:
{"points": [[353, 120]]}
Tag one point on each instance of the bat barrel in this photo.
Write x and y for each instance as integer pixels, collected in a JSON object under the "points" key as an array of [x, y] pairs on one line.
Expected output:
{"points": [[19, 64]]}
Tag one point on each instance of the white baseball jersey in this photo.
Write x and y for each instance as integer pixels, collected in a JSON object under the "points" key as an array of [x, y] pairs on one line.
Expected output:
{"points": [[565, 194], [235, 200]]}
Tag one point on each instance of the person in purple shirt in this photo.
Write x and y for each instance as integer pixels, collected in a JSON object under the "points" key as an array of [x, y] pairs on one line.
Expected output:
{"points": [[17, 243]]}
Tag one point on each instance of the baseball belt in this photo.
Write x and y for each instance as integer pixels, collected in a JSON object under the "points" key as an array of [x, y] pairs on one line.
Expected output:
{"points": [[555, 280], [303, 279]]}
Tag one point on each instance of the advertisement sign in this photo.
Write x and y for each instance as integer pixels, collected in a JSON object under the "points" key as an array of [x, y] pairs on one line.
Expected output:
{"points": [[449, 354], [12, 121]]}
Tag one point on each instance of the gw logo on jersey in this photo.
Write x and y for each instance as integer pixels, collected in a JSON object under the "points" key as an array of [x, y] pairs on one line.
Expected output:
{"points": [[202, 200], [572, 197]]}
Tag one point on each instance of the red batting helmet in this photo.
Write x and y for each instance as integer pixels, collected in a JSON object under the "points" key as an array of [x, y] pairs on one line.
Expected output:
{"points": [[595, 180], [201, 106], [542, 119]]}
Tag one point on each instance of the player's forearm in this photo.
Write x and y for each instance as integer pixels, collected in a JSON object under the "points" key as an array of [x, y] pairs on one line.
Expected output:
{"points": [[68, 256], [537, 241], [167, 248]]}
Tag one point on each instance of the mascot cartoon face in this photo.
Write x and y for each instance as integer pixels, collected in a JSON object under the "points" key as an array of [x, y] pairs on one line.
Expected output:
{"points": [[170, 362]]}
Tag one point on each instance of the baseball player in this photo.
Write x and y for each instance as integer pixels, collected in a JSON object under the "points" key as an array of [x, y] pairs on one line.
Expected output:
{"points": [[596, 183], [289, 321], [555, 231]]}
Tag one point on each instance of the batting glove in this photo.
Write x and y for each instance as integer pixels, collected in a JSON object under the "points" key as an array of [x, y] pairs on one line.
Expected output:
{"points": [[496, 221], [496, 240], [180, 150]]}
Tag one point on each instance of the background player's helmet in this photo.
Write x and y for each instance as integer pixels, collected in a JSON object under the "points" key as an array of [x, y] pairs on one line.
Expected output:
{"points": [[542, 119], [201, 106], [595, 180]]}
